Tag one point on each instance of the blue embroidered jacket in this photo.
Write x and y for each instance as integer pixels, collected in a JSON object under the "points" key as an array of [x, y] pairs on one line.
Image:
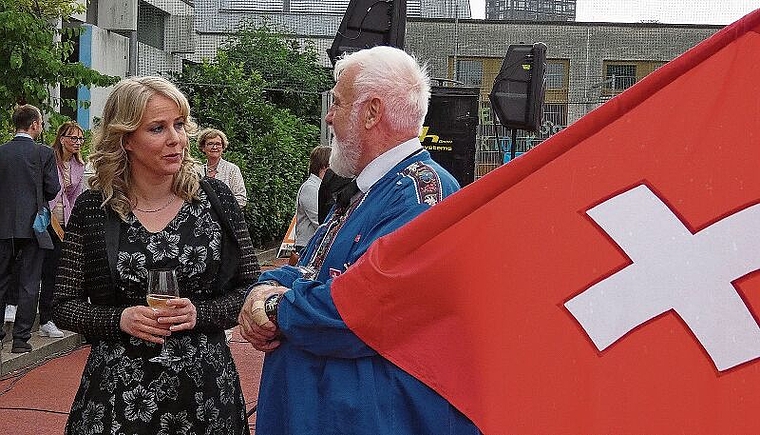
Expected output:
{"points": [[323, 379]]}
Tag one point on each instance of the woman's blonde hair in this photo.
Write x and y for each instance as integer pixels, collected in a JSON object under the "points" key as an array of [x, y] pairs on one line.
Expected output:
{"points": [[122, 114], [65, 129], [210, 133]]}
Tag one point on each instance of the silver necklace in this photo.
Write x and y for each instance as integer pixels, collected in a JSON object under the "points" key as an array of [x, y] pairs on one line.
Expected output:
{"points": [[154, 210]]}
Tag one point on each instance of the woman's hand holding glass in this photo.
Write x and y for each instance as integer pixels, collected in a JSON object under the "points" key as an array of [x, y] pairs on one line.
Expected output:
{"points": [[142, 322], [178, 315], [166, 313], [171, 312]]}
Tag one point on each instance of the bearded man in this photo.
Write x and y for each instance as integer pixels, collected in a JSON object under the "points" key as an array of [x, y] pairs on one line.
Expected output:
{"points": [[318, 377]]}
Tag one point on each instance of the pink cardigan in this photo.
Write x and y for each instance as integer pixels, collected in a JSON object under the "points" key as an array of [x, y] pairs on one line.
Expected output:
{"points": [[77, 170]]}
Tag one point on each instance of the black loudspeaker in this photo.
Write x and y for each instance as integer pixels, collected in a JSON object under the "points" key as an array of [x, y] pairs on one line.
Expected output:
{"points": [[368, 23], [450, 128], [518, 91]]}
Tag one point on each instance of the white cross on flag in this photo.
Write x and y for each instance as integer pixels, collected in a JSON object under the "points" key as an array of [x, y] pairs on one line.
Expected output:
{"points": [[607, 281]]}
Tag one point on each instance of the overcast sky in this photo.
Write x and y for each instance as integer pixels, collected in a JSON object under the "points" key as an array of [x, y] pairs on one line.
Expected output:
{"points": [[675, 12]]}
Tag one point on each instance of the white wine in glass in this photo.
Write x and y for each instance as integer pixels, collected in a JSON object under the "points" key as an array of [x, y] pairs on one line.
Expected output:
{"points": [[162, 286], [158, 302]]}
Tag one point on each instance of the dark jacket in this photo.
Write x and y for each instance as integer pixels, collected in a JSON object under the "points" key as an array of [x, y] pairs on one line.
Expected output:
{"points": [[88, 268], [20, 162], [332, 183]]}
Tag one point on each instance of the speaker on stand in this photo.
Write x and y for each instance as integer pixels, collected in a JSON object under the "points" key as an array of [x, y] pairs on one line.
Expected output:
{"points": [[368, 23], [517, 96]]}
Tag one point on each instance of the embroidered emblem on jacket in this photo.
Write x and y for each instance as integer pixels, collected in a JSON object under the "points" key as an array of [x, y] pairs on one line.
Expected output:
{"points": [[426, 182]]}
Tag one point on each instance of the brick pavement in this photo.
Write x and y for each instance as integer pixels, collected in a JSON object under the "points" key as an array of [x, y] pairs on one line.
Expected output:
{"points": [[36, 401]]}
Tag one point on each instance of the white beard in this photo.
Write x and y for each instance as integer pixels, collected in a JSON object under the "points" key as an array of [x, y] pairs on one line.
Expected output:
{"points": [[344, 156]]}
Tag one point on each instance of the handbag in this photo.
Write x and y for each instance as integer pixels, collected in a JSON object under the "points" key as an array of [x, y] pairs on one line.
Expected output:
{"points": [[42, 219], [41, 222], [56, 226]]}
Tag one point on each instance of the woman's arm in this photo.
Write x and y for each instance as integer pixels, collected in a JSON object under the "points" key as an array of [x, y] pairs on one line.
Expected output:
{"points": [[222, 311], [71, 307], [237, 185]]}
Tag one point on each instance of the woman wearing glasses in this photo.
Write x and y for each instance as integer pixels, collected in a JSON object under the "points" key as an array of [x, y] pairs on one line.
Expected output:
{"points": [[212, 143], [68, 158]]}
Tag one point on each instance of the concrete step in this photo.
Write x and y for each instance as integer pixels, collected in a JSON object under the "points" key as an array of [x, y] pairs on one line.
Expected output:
{"points": [[43, 348]]}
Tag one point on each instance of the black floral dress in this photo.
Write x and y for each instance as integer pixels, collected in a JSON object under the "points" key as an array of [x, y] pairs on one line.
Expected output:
{"points": [[124, 393]]}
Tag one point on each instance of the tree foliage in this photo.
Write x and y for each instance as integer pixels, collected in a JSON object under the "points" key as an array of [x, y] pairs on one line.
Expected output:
{"points": [[293, 77], [270, 144], [264, 91], [35, 52]]}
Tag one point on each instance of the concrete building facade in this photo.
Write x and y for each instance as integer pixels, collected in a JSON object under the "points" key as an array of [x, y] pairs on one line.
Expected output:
{"points": [[130, 37], [580, 56], [314, 20], [587, 63], [414, 8], [534, 10]]}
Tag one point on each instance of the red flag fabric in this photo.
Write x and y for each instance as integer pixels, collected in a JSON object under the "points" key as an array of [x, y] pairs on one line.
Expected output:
{"points": [[603, 283]]}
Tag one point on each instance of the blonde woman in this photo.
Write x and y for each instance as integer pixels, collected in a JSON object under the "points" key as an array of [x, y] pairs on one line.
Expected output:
{"points": [[68, 158], [213, 143], [148, 209]]}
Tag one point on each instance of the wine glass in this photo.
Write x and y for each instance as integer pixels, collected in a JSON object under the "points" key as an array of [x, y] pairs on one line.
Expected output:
{"points": [[162, 286]]}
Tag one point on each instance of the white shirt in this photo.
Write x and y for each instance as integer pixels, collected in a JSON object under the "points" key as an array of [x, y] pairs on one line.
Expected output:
{"points": [[383, 163], [229, 174], [306, 210]]}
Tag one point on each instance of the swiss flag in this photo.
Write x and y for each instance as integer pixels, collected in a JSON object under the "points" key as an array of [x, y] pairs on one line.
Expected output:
{"points": [[605, 282]]}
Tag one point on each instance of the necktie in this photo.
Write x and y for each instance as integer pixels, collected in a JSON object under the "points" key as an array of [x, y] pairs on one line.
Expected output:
{"points": [[344, 195]]}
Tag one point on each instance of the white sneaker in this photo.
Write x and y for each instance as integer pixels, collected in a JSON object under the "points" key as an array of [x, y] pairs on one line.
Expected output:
{"points": [[50, 330], [10, 313]]}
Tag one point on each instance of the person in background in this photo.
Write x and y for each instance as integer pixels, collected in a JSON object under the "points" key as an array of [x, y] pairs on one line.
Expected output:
{"points": [[329, 189], [27, 172], [213, 143], [68, 158], [149, 209], [11, 295], [318, 376], [306, 200]]}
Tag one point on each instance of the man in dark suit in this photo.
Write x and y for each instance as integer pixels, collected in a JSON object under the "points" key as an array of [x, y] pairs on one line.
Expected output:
{"points": [[24, 164]]}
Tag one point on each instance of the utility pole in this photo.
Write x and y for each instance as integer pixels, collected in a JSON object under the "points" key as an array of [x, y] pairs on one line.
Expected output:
{"points": [[456, 39]]}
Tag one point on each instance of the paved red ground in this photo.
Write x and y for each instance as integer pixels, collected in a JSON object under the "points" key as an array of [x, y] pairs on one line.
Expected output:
{"points": [[37, 402]]}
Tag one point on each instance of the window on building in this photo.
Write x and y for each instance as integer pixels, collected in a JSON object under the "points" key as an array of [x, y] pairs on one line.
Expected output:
{"points": [[556, 75], [258, 6], [619, 77], [470, 72], [151, 25]]}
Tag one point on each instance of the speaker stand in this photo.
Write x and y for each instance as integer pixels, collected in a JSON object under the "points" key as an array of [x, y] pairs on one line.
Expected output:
{"points": [[513, 145]]}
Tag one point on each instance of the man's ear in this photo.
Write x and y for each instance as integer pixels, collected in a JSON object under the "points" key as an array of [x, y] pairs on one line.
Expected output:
{"points": [[374, 113]]}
